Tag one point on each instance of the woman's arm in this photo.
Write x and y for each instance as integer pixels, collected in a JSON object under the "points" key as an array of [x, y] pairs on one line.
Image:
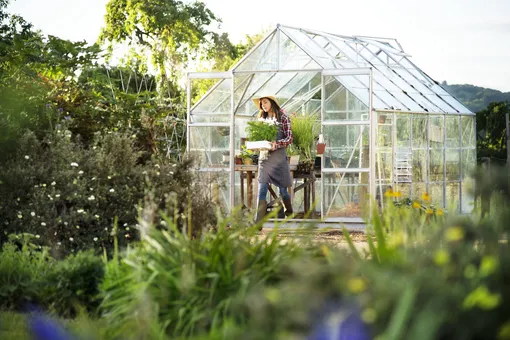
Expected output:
{"points": [[287, 133]]}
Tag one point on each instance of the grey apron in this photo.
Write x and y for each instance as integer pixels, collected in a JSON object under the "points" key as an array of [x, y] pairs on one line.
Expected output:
{"points": [[275, 169]]}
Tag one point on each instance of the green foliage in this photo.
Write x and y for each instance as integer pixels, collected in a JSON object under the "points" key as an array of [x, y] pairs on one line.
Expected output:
{"points": [[305, 132], [171, 31], [262, 130], [70, 195], [491, 129], [30, 277], [74, 283], [190, 286]]}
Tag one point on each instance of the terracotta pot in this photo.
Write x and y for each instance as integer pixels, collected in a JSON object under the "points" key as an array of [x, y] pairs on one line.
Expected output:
{"points": [[321, 147]]}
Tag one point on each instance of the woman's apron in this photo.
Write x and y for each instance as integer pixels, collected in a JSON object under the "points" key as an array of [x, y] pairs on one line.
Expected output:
{"points": [[275, 169]]}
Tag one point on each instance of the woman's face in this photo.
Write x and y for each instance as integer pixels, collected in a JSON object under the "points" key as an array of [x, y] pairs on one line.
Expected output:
{"points": [[265, 104]]}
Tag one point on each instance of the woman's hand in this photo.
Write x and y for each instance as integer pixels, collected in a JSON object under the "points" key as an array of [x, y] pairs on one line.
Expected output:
{"points": [[273, 146]]}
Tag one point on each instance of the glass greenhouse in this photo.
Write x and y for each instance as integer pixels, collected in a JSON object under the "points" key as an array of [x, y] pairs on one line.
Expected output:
{"points": [[386, 124]]}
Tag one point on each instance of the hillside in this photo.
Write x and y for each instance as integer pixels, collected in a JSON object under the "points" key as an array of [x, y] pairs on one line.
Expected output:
{"points": [[476, 98]]}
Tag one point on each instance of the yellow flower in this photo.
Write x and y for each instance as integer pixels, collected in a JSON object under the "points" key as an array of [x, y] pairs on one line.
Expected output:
{"points": [[388, 193], [369, 315], [416, 205], [454, 234], [426, 197], [441, 257], [440, 212], [429, 211], [397, 194], [357, 285]]}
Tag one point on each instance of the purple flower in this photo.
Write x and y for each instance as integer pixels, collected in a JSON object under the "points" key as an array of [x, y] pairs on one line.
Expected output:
{"points": [[45, 328], [340, 322], [60, 109], [67, 117], [48, 105]]}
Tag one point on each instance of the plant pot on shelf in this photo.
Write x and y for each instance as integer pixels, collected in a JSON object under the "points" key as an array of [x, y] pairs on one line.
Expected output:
{"points": [[239, 160], [247, 161], [321, 147]]}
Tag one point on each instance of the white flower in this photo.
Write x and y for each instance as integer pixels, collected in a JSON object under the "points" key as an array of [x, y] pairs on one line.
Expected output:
{"points": [[80, 172], [37, 236], [53, 183], [127, 228], [109, 177], [77, 227], [96, 216], [74, 164], [80, 211], [125, 224], [93, 178], [106, 228], [156, 165], [57, 195], [95, 239], [65, 223], [71, 239], [58, 243], [20, 216], [91, 198], [112, 190], [43, 224], [157, 173], [27, 157], [171, 172], [32, 213], [94, 147]]}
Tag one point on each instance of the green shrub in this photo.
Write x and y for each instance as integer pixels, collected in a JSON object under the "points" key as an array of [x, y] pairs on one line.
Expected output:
{"points": [[73, 284], [70, 195], [174, 286], [22, 275]]}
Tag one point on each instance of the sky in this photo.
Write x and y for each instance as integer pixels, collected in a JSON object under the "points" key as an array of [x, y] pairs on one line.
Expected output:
{"points": [[460, 41]]}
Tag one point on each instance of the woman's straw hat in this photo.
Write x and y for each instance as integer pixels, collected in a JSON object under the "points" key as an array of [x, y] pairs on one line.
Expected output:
{"points": [[256, 100]]}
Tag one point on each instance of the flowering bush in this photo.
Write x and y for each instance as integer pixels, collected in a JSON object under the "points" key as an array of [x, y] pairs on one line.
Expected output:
{"points": [[262, 129], [69, 195]]}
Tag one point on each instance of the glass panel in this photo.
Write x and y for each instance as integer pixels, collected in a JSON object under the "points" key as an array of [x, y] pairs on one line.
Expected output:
{"points": [[404, 189], [293, 57], [452, 164], [208, 144], [467, 195], [403, 131], [468, 162], [346, 146], [347, 196], [384, 132], [418, 189], [246, 106], [303, 86], [436, 132], [419, 166], [468, 131], [241, 83], [263, 58], [436, 169], [218, 188], [218, 118], [452, 196], [452, 132], [436, 193], [341, 104], [384, 166], [217, 101], [419, 131]]}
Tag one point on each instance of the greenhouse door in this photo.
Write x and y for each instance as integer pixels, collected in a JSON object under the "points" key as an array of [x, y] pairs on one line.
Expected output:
{"points": [[210, 138], [347, 181]]}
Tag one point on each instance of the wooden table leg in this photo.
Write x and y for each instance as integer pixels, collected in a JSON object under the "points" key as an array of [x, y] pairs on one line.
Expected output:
{"points": [[306, 195], [249, 189], [241, 173]]}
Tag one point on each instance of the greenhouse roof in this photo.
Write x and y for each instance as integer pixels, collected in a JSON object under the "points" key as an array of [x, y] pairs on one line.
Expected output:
{"points": [[397, 83]]}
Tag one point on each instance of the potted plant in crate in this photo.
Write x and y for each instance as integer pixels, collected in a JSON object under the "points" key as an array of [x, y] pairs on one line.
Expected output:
{"points": [[247, 155], [261, 133], [293, 155]]}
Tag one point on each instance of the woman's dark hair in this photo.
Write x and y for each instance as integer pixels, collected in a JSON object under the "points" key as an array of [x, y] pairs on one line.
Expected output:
{"points": [[274, 107]]}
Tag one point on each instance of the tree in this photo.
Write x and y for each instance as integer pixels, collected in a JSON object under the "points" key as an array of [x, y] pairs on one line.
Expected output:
{"points": [[172, 31], [490, 126]]}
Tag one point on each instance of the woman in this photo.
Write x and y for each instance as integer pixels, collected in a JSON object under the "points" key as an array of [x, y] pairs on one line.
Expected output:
{"points": [[275, 169]]}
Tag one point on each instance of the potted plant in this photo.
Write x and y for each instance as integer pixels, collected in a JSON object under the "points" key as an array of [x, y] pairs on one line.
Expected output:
{"points": [[246, 155], [293, 155], [261, 133], [305, 131]]}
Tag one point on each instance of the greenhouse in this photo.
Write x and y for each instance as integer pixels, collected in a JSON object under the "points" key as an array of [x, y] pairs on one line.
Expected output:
{"points": [[386, 125]]}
